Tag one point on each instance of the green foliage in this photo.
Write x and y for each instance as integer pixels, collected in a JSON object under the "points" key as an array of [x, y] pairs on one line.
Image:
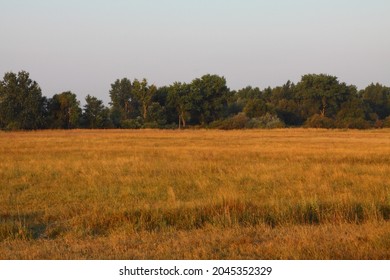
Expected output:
{"points": [[354, 123], [317, 100], [386, 122], [377, 97], [255, 108], [238, 121], [266, 121], [322, 94], [95, 115], [156, 114], [144, 94], [64, 111], [123, 102], [21, 103], [179, 97], [132, 123], [319, 121], [209, 96]]}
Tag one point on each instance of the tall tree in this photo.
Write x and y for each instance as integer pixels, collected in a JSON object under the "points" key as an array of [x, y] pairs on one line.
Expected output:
{"points": [[95, 115], [144, 93], [124, 106], [21, 103], [210, 95], [179, 96], [377, 97], [321, 94], [64, 110]]}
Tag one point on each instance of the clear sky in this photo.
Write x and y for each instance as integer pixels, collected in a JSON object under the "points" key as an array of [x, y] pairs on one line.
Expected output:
{"points": [[85, 45]]}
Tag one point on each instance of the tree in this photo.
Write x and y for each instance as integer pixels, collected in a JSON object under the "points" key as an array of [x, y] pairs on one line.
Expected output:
{"points": [[179, 96], [124, 106], [21, 103], [209, 96], [321, 94], [286, 104], [144, 93], [64, 110], [255, 108], [95, 115], [377, 97], [352, 114]]}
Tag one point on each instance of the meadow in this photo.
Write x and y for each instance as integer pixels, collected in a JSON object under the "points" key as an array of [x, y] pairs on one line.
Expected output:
{"points": [[195, 194]]}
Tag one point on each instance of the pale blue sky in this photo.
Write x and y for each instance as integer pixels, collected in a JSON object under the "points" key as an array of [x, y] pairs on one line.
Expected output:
{"points": [[84, 45]]}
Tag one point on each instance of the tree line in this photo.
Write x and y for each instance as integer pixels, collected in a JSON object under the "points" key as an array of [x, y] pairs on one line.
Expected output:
{"points": [[317, 100]]}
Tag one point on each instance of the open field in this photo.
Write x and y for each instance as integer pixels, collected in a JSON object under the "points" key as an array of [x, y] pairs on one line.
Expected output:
{"points": [[195, 194]]}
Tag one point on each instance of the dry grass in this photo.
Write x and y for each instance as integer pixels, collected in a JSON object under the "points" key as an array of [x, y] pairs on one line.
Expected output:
{"points": [[150, 194]]}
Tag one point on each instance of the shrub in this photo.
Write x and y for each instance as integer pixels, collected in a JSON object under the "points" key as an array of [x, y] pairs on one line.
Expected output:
{"points": [[131, 124], [238, 121], [266, 121], [151, 125], [386, 122], [319, 121], [352, 123]]}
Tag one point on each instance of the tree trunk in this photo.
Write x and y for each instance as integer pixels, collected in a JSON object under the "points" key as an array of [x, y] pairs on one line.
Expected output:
{"points": [[183, 120], [323, 107], [145, 113]]}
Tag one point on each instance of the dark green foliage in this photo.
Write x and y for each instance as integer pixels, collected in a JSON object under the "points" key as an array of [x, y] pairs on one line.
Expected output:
{"points": [[157, 115], [64, 111], [209, 98], [180, 98], [386, 122], [266, 121], [319, 121], [144, 94], [321, 94], [124, 105], [255, 108], [95, 115], [238, 121], [21, 103], [317, 100], [132, 123], [377, 97]]}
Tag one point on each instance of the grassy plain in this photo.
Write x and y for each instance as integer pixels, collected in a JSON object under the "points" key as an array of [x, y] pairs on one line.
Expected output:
{"points": [[195, 194]]}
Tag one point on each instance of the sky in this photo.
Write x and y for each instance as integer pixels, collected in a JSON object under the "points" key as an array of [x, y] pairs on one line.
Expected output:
{"points": [[85, 45]]}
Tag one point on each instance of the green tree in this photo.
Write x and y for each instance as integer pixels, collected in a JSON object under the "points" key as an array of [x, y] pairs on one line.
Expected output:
{"points": [[95, 115], [179, 96], [144, 93], [377, 97], [321, 94], [64, 111], [286, 105], [352, 114], [209, 96], [124, 105], [21, 103], [255, 108]]}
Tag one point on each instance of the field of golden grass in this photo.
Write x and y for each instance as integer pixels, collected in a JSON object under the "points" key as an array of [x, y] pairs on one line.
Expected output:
{"points": [[195, 194]]}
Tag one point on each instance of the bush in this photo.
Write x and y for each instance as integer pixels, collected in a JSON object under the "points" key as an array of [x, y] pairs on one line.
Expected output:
{"points": [[319, 121], [151, 125], [266, 121], [238, 121], [13, 126], [131, 124], [352, 123], [386, 122]]}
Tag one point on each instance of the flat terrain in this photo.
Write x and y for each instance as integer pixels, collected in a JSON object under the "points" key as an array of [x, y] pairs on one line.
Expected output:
{"points": [[195, 194]]}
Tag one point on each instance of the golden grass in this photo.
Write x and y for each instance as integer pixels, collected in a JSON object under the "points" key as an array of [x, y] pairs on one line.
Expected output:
{"points": [[195, 194]]}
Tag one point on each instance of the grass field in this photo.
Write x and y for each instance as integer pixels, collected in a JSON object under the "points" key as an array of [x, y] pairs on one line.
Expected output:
{"points": [[195, 194]]}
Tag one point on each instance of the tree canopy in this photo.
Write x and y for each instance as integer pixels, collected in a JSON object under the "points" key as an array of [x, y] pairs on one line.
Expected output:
{"points": [[317, 100]]}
